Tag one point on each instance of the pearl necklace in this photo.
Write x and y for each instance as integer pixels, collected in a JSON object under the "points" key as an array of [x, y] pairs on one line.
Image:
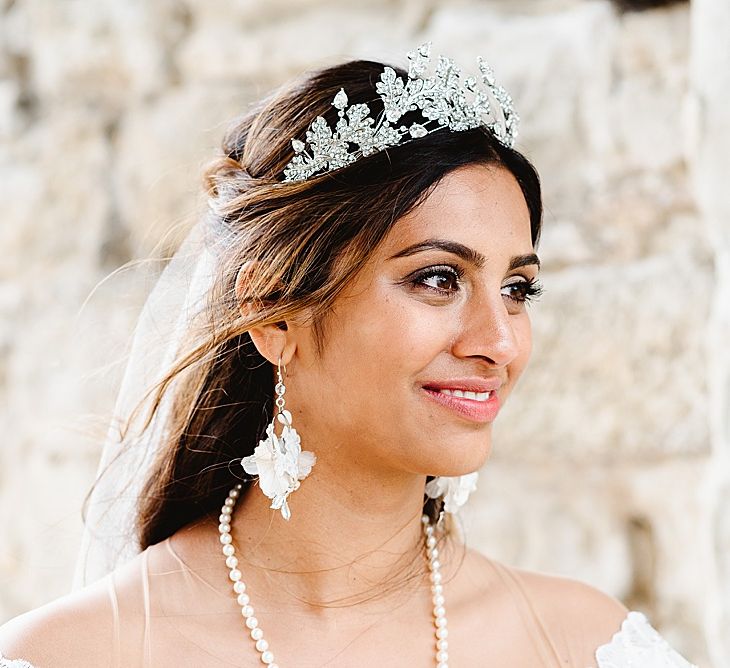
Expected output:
{"points": [[252, 624]]}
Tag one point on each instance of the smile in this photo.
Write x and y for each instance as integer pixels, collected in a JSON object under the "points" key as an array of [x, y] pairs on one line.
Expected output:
{"points": [[475, 396], [473, 406]]}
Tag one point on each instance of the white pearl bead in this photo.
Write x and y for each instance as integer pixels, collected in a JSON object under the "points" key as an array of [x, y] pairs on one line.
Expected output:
{"points": [[247, 610]]}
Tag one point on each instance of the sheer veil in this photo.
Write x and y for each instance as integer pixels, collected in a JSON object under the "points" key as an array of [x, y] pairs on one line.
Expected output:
{"points": [[163, 331]]}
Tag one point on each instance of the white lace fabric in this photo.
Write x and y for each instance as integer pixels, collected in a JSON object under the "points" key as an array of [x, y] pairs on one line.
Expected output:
{"points": [[636, 645], [14, 663]]}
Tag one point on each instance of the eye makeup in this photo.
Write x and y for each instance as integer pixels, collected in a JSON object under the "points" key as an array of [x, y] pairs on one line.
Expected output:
{"points": [[445, 279]]}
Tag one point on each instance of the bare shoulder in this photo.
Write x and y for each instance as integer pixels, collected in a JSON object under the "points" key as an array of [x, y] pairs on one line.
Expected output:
{"points": [[574, 600], [73, 630], [576, 616]]}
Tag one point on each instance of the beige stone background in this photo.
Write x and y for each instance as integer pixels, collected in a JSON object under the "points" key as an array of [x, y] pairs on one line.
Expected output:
{"points": [[611, 464]]}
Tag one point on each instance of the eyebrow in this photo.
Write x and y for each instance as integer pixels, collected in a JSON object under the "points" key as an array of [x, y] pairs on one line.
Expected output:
{"points": [[464, 252]]}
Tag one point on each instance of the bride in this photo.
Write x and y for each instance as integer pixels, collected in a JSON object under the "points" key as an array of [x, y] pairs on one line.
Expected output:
{"points": [[353, 318]]}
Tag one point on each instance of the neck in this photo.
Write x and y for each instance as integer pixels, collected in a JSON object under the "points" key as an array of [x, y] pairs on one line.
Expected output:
{"points": [[342, 544]]}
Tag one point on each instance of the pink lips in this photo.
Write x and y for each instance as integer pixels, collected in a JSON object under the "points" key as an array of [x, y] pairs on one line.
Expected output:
{"points": [[477, 411]]}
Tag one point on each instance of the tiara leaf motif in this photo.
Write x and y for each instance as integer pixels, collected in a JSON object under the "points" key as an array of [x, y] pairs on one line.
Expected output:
{"points": [[443, 100]]}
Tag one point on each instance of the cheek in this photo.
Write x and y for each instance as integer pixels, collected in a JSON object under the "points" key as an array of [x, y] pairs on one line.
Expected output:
{"points": [[392, 336], [383, 343], [523, 336]]}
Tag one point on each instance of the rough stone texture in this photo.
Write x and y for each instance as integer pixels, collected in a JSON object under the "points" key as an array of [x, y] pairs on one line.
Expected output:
{"points": [[610, 454]]}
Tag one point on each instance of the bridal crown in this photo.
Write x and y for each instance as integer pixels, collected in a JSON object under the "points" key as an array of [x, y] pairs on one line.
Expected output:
{"points": [[443, 99]]}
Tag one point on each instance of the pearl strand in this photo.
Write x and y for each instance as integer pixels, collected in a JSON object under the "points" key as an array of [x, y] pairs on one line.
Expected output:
{"points": [[437, 596], [252, 624]]}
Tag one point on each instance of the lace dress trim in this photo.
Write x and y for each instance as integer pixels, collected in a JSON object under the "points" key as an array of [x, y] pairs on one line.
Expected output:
{"points": [[14, 663], [638, 644]]}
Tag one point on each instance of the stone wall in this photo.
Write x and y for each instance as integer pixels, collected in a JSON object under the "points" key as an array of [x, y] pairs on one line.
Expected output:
{"points": [[607, 466]]}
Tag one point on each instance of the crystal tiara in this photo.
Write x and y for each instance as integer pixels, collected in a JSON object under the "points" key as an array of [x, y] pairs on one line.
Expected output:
{"points": [[442, 98]]}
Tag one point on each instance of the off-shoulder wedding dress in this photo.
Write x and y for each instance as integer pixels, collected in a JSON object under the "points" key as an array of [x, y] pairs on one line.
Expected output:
{"points": [[150, 623]]}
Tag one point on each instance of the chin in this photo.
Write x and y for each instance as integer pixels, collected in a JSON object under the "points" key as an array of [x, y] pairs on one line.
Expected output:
{"points": [[452, 462]]}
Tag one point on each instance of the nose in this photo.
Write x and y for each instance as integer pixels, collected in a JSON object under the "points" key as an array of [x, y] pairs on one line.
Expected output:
{"points": [[487, 331]]}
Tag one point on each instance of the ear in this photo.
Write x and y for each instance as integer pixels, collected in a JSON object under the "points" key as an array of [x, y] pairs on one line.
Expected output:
{"points": [[275, 340]]}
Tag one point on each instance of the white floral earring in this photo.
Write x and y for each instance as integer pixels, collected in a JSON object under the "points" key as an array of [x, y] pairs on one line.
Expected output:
{"points": [[455, 490], [279, 461]]}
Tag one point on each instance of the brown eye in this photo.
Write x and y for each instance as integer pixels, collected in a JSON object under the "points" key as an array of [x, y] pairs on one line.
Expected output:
{"points": [[439, 279], [523, 291]]}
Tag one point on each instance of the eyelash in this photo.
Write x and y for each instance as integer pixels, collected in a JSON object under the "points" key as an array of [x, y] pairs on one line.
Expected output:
{"points": [[530, 289]]}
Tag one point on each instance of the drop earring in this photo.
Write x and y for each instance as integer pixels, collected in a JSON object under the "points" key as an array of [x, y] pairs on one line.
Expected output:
{"points": [[279, 461], [455, 490]]}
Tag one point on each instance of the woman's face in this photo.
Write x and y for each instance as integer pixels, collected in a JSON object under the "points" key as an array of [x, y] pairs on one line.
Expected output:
{"points": [[439, 308]]}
